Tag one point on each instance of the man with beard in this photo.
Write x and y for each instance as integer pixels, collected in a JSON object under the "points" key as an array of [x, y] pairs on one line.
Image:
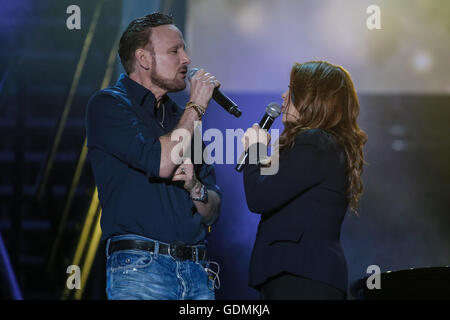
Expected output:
{"points": [[155, 209]]}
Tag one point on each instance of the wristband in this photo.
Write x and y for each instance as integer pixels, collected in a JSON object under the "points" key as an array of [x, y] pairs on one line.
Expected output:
{"points": [[203, 195]]}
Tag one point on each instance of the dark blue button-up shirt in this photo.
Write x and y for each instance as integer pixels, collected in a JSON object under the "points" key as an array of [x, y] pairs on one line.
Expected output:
{"points": [[123, 127]]}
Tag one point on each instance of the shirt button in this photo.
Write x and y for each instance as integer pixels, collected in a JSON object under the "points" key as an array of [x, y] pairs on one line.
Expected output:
{"points": [[128, 260]]}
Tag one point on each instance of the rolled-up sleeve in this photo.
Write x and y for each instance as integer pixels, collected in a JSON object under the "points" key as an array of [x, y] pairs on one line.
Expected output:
{"points": [[113, 127]]}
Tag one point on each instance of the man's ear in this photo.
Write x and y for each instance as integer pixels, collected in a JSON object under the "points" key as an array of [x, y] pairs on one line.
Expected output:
{"points": [[143, 58]]}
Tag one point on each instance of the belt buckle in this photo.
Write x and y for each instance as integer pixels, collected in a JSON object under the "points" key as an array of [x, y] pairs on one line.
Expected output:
{"points": [[176, 250]]}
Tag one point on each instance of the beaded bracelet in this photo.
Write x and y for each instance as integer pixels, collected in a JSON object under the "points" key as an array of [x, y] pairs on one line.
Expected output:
{"points": [[200, 110]]}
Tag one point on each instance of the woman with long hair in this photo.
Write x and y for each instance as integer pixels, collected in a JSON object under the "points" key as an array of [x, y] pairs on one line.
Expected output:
{"points": [[297, 252]]}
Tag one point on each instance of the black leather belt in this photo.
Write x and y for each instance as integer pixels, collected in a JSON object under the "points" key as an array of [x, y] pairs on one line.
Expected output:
{"points": [[177, 251]]}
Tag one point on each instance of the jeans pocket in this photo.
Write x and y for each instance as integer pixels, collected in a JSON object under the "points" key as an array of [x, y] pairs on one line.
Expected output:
{"points": [[212, 276], [211, 283], [130, 259]]}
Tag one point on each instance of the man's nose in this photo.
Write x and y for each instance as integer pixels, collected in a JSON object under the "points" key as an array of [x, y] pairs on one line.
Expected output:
{"points": [[185, 59]]}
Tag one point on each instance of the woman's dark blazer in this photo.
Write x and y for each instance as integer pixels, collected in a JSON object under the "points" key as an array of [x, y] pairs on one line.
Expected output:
{"points": [[302, 208]]}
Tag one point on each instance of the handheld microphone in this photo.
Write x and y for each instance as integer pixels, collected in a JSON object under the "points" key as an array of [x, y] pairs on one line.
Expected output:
{"points": [[220, 98], [273, 110]]}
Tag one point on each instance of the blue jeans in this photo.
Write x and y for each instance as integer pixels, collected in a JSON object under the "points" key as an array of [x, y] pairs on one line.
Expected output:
{"points": [[142, 275]]}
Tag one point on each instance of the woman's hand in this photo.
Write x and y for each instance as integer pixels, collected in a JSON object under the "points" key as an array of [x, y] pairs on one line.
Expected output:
{"points": [[255, 135]]}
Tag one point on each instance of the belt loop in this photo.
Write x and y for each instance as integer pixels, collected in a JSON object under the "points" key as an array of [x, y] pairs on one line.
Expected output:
{"points": [[107, 247], [156, 250], [196, 254]]}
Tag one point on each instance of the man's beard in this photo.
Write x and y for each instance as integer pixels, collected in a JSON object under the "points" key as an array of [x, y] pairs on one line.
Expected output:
{"points": [[171, 85]]}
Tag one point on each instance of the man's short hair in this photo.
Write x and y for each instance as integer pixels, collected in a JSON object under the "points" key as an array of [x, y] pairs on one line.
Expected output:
{"points": [[137, 35]]}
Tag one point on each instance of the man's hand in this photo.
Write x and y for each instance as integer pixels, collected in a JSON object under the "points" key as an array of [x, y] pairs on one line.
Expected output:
{"points": [[185, 172], [202, 87], [209, 210]]}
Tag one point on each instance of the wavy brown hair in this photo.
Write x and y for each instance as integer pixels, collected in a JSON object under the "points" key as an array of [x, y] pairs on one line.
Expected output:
{"points": [[325, 98]]}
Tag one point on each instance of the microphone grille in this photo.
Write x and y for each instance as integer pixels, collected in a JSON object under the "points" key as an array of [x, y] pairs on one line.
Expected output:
{"points": [[191, 73], [273, 109]]}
